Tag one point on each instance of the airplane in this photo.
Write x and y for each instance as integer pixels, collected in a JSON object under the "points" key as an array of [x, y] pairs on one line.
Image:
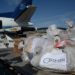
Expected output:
{"points": [[17, 21]]}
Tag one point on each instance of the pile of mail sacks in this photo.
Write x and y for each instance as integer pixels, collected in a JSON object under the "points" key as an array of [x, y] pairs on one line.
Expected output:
{"points": [[55, 50]]}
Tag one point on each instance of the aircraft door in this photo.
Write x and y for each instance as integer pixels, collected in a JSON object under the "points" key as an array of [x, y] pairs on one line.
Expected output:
{"points": [[0, 24]]}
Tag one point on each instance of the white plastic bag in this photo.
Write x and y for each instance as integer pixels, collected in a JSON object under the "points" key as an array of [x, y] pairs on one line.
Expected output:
{"points": [[37, 44], [54, 60], [52, 30]]}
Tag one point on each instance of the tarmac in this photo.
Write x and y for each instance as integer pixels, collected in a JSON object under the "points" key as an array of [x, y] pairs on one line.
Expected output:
{"points": [[7, 55]]}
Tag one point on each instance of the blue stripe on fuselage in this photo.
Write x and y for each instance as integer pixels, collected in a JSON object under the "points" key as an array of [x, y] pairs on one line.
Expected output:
{"points": [[4, 27]]}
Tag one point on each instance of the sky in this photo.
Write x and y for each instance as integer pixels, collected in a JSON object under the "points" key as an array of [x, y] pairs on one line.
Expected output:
{"points": [[8, 5], [47, 11], [53, 12]]}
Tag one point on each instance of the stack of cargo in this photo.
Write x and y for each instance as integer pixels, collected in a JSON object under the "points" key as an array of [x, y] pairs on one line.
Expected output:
{"points": [[51, 51]]}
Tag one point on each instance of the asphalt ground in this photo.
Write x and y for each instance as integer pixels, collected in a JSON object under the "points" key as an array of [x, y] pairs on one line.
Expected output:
{"points": [[22, 67]]}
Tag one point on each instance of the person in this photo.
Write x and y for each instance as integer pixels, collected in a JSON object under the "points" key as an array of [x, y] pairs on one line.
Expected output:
{"points": [[16, 50], [21, 45]]}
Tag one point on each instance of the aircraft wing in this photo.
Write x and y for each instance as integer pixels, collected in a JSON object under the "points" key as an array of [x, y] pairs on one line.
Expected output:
{"points": [[26, 15]]}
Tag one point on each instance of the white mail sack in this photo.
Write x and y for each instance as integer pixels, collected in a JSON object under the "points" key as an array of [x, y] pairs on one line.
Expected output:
{"points": [[54, 60]]}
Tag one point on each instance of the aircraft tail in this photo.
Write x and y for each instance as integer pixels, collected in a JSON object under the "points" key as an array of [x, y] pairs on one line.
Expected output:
{"points": [[21, 7], [24, 17]]}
